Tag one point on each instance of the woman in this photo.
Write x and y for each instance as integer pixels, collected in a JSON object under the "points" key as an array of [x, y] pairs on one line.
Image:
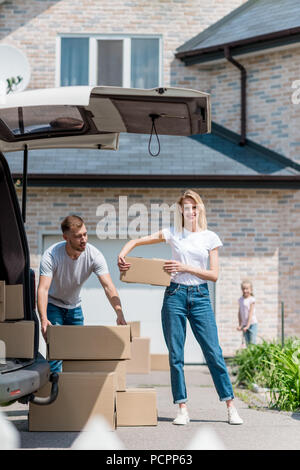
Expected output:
{"points": [[187, 297]]}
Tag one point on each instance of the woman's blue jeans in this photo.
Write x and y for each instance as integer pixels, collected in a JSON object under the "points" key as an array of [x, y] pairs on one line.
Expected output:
{"points": [[63, 316], [183, 302]]}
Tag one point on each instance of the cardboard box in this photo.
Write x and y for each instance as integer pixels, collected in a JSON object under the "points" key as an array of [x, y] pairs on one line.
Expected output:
{"points": [[146, 271], [159, 362], [89, 342], [135, 329], [81, 395], [14, 305], [118, 367], [19, 338], [140, 356], [136, 407], [2, 301]]}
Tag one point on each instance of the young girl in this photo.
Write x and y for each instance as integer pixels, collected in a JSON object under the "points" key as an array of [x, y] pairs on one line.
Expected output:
{"points": [[246, 316], [187, 297]]}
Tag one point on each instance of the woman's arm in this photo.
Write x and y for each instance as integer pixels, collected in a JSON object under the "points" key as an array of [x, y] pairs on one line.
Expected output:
{"points": [[156, 237], [210, 274]]}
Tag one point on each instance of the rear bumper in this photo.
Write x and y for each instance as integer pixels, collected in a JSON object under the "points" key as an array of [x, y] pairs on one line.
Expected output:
{"points": [[22, 382]]}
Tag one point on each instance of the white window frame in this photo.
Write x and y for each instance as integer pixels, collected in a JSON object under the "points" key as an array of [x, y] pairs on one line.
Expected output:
{"points": [[93, 53]]}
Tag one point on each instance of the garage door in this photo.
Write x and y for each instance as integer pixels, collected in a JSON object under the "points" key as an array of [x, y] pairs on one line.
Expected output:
{"points": [[140, 302]]}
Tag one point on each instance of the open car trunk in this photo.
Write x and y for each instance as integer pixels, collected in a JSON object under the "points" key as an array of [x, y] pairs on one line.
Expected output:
{"points": [[93, 117]]}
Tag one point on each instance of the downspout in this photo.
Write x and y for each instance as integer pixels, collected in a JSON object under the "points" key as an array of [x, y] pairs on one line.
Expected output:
{"points": [[228, 56]]}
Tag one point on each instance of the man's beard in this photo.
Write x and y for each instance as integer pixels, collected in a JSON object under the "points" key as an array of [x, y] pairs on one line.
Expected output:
{"points": [[77, 248]]}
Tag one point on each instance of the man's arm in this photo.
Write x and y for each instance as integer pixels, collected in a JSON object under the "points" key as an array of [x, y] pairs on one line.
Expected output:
{"points": [[42, 301], [113, 296]]}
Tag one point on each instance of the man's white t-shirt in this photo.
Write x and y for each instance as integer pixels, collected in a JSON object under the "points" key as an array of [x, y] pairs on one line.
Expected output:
{"points": [[68, 275], [191, 248], [244, 304]]}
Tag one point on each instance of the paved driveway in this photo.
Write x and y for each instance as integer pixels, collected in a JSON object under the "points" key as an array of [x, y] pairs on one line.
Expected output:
{"points": [[262, 429]]}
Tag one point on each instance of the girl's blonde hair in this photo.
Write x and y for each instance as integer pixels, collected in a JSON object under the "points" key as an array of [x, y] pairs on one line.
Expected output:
{"points": [[179, 221], [249, 284]]}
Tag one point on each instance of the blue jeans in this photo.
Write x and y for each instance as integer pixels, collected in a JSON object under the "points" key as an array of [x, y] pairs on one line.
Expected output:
{"points": [[63, 316], [250, 334], [193, 303]]}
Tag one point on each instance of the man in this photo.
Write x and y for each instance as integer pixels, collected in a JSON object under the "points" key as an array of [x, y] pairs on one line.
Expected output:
{"points": [[64, 268]]}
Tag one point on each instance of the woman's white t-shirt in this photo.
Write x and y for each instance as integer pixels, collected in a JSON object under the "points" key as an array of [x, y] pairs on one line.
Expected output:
{"points": [[244, 304], [191, 248]]}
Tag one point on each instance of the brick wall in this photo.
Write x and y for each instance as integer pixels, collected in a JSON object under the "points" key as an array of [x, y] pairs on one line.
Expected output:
{"points": [[34, 27], [259, 230], [272, 118]]}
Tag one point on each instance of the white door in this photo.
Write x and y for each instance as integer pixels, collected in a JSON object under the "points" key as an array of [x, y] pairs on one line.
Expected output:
{"points": [[140, 302]]}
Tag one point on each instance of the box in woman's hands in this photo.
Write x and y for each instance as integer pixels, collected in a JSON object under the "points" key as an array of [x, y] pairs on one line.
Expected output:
{"points": [[146, 271]]}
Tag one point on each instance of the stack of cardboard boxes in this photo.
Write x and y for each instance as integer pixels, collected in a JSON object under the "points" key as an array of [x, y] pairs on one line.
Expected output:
{"points": [[140, 362], [16, 333], [160, 362], [93, 381], [95, 361]]}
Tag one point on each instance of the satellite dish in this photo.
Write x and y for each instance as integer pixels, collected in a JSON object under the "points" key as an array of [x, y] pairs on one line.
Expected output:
{"points": [[14, 64]]}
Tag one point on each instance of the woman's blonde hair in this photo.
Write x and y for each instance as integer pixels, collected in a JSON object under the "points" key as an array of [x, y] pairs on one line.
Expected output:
{"points": [[249, 283], [179, 221]]}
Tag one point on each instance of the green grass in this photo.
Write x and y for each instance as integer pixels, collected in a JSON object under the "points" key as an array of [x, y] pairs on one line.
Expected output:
{"points": [[272, 366]]}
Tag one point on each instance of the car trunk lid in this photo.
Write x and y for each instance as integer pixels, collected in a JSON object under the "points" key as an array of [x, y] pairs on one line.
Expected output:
{"points": [[93, 117]]}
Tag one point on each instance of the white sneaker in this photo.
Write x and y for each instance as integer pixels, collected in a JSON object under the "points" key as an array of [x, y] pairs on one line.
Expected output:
{"points": [[233, 416], [182, 417]]}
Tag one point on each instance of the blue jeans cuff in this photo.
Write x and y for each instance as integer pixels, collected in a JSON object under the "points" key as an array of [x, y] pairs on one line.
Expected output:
{"points": [[227, 398], [183, 400]]}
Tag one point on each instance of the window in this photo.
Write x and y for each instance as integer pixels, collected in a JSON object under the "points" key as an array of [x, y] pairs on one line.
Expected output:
{"points": [[46, 119], [74, 69], [133, 61]]}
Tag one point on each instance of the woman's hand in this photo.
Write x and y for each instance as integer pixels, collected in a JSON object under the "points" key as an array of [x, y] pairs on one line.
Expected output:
{"points": [[173, 266], [123, 266]]}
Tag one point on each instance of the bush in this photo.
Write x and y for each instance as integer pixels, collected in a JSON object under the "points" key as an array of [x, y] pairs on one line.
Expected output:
{"points": [[272, 366]]}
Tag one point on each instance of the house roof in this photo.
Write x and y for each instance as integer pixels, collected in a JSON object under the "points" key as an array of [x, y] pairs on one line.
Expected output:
{"points": [[214, 156], [256, 24]]}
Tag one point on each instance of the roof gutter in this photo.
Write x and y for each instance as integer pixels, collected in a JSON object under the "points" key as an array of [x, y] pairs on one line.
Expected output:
{"points": [[159, 181], [292, 35], [228, 56]]}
